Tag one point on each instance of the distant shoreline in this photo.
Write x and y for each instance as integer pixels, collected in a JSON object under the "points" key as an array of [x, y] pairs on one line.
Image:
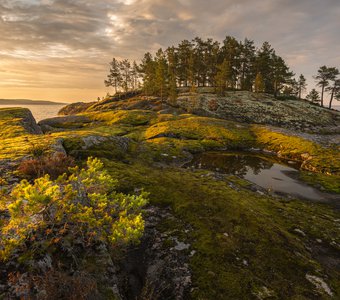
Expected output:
{"points": [[29, 102]]}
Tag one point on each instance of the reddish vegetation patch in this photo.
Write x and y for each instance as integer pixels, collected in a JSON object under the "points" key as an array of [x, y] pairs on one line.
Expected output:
{"points": [[212, 105], [54, 165]]}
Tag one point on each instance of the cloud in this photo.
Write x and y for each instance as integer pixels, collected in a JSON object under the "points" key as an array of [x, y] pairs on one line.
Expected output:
{"points": [[60, 44]]}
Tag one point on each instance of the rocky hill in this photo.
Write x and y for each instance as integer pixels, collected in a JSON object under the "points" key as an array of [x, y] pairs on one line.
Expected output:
{"points": [[209, 234], [240, 106], [249, 107]]}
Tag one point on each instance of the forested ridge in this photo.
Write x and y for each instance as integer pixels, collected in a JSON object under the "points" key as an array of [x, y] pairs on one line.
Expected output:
{"points": [[198, 63], [226, 65]]}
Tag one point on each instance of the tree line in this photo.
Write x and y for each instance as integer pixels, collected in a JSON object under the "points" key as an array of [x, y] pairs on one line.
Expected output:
{"points": [[229, 65]]}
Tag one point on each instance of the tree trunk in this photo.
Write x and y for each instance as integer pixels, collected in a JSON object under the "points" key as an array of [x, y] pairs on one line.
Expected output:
{"points": [[322, 90], [332, 95], [275, 89]]}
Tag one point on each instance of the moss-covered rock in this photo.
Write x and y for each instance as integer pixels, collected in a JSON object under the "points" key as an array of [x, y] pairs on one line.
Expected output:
{"points": [[75, 108], [250, 107], [128, 117], [314, 157], [67, 122], [17, 121]]}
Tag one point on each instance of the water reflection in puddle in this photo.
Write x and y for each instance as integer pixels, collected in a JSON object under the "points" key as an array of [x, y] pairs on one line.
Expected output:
{"points": [[259, 169]]}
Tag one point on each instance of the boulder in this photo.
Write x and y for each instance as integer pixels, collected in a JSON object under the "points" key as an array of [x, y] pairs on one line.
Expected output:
{"points": [[29, 123], [52, 124], [119, 142]]}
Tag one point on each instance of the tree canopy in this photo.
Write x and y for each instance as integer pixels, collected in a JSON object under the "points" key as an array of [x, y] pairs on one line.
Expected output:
{"points": [[229, 65], [226, 65]]}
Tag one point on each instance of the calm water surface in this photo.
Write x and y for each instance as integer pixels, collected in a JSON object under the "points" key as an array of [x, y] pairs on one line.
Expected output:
{"points": [[40, 112], [264, 171]]}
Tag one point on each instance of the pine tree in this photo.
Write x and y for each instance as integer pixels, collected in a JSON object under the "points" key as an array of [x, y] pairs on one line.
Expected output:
{"points": [[200, 68], [301, 84], [337, 95], [322, 78], [125, 70], [231, 51], [184, 50], [313, 96], [134, 75], [148, 70], [172, 63], [172, 89], [247, 61], [259, 84], [223, 76], [191, 72], [264, 65], [280, 73], [114, 77], [161, 73], [290, 91], [333, 77], [335, 89], [212, 60]]}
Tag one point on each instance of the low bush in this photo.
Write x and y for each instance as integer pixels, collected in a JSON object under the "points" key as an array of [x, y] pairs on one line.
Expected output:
{"points": [[54, 165], [81, 208]]}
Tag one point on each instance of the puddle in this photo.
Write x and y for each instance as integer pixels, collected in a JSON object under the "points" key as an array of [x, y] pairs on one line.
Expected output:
{"points": [[265, 171]]}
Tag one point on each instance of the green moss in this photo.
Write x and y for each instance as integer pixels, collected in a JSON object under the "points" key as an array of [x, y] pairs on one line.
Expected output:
{"points": [[11, 122], [245, 242], [315, 157], [17, 147], [330, 183], [238, 181], [130, 117], [200, 128], [15, 141], [13, 112]]}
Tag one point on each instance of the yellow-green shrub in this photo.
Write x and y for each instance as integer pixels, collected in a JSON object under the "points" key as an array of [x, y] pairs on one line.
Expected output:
{"points": [[82, 206]]}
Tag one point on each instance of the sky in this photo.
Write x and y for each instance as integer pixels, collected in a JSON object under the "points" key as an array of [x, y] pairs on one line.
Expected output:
{"points": [[61, 49]]}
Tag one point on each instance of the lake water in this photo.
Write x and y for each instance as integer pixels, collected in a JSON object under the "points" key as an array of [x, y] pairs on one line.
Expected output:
{"points": [[266, 172], [40, 112]]}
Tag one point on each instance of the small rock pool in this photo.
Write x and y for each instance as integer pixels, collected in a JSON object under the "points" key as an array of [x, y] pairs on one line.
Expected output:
{"points": [[263, 170]]}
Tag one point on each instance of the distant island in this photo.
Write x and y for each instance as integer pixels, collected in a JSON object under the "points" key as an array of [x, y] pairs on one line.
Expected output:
{"points": [[27, 102]]}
